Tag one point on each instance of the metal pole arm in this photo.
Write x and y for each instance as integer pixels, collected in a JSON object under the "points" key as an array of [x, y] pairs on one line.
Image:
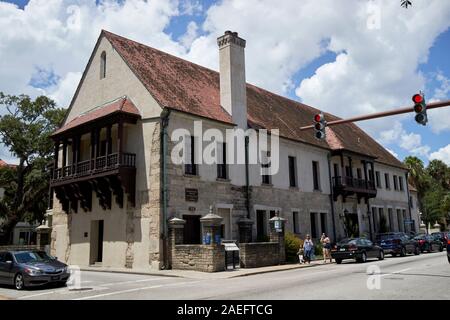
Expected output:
{"points": [[432, 105]]}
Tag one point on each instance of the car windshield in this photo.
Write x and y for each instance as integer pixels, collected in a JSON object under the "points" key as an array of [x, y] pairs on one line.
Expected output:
{"points": [[28, 256], [347, 241]]}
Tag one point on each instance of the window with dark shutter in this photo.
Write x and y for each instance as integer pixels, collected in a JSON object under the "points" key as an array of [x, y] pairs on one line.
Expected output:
{"points": [[222, 157], [315, 168], [292, 172]]}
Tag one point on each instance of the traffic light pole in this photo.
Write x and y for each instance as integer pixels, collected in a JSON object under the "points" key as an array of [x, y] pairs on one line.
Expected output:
{"points": [[432, 105]]}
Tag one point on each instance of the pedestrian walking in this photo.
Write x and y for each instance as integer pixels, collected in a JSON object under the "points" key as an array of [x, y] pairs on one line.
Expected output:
{"points": [[326, 248], [308, 247]]}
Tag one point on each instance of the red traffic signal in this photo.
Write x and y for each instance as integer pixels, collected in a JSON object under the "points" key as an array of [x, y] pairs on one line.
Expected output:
{"points": [[417, 98], [420, 108], [318, 117], [319, 126]]}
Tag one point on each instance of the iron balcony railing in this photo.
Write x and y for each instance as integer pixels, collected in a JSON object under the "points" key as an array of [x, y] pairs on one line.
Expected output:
{"points": [[355, 183], [100, 164]]}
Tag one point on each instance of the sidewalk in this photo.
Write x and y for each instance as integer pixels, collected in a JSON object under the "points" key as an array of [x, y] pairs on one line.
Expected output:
{"points": [[208, 275]]}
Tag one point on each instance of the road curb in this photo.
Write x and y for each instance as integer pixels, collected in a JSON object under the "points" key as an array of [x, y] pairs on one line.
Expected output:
{"points": [[220, 275], [277, 270]]}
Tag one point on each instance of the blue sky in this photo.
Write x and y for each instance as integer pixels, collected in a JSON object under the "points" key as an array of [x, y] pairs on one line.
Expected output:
{"points": [[311, 60]]}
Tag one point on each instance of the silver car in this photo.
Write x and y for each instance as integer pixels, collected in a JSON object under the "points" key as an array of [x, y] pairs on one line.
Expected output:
{"points": [[31, 268]]}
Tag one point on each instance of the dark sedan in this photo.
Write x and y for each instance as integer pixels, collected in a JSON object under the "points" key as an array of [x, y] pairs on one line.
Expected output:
{"points": [[359, 249], [441, 236], [448, 247], [397, 243], [429, 243], [31, 268]]}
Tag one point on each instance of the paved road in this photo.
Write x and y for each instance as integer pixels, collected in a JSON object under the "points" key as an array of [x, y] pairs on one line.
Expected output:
{"points": [[413, 277]]}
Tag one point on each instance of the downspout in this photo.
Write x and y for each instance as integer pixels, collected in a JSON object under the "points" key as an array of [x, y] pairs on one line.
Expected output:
{"points": [[164, 124], [247, 183], [331, 196]]}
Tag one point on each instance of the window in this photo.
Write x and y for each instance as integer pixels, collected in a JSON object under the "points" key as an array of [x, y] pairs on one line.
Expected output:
{"points": [[411, 202], [399, 220], [391, 220], [336, 169], [323, 222], [377, 178], [381, 220], [313, 225], [371, 177], [386, 180], [103, 65], [315, 168], [295, 222], [358, 173], [348, 171], [222, 161], [266, 177], [292, 172], [400, 183], [375, 219], [395, 183], [190, 167]]}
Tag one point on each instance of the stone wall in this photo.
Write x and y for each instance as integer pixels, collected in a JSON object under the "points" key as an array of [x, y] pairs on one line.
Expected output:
{"points": [[206, 258], [259, 254]]}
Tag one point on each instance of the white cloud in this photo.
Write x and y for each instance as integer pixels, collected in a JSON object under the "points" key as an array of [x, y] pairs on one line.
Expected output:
{"points": [[59, 35], [442, 154], [438, 118], [190, 35]]}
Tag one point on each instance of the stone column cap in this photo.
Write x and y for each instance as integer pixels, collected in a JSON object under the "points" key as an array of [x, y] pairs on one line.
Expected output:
{"points": [[176, 222], [211, 219], [277, 218]]}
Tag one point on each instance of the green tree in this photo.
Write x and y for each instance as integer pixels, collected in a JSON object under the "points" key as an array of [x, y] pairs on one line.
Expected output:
{"points": [[418, 177], [440, 172], [25, 127]]}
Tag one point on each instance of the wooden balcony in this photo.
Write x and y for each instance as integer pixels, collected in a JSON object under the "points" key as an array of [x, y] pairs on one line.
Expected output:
{"points": [[93, 168], [346, 186], [108, 176]]}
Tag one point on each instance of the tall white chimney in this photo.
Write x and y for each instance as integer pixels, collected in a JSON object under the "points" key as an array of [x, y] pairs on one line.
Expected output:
{"points": [[233, 95]]}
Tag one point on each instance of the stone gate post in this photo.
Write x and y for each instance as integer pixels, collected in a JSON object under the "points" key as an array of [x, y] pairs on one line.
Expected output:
{"points": [[276, 234]]}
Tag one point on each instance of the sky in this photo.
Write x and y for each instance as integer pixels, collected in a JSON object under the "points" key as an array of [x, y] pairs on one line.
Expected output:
{"points": [[347, 57]]}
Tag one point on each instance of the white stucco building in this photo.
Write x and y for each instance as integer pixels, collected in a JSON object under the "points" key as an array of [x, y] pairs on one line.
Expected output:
{"points": [[116, 184]]}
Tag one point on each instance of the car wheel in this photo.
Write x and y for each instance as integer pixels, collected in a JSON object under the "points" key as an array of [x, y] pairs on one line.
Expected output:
{"points": [[441, 248], [448, 258], [381, 256], [393, 254], [363, 258], [19, 282], [417, 251], [338, 261], [403, 252]]}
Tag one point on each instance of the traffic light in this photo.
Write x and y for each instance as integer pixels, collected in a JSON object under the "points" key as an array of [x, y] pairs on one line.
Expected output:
{"points": [[420, 108], [319, 126]]}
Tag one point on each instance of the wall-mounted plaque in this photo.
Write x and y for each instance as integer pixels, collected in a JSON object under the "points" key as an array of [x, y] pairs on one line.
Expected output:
{"points": [[191, 195]]}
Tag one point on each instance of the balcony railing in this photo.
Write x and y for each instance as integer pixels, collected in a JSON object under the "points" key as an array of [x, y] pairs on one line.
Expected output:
{"points": [[356, 184], [94, 166]]}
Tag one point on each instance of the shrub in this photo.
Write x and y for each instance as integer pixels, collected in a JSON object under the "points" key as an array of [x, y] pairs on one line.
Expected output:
{"points": [[292, 244]]}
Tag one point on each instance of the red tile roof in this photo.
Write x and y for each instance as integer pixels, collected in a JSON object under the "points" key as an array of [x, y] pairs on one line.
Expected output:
{"points": [[123, 105], [188, 87]]}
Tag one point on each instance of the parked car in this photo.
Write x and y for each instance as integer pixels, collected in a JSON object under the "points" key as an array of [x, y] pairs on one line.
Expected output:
{"points": [[429, 243], [441, 236], [359, 249], [31, 268], [397, 243], [448, 247]]}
